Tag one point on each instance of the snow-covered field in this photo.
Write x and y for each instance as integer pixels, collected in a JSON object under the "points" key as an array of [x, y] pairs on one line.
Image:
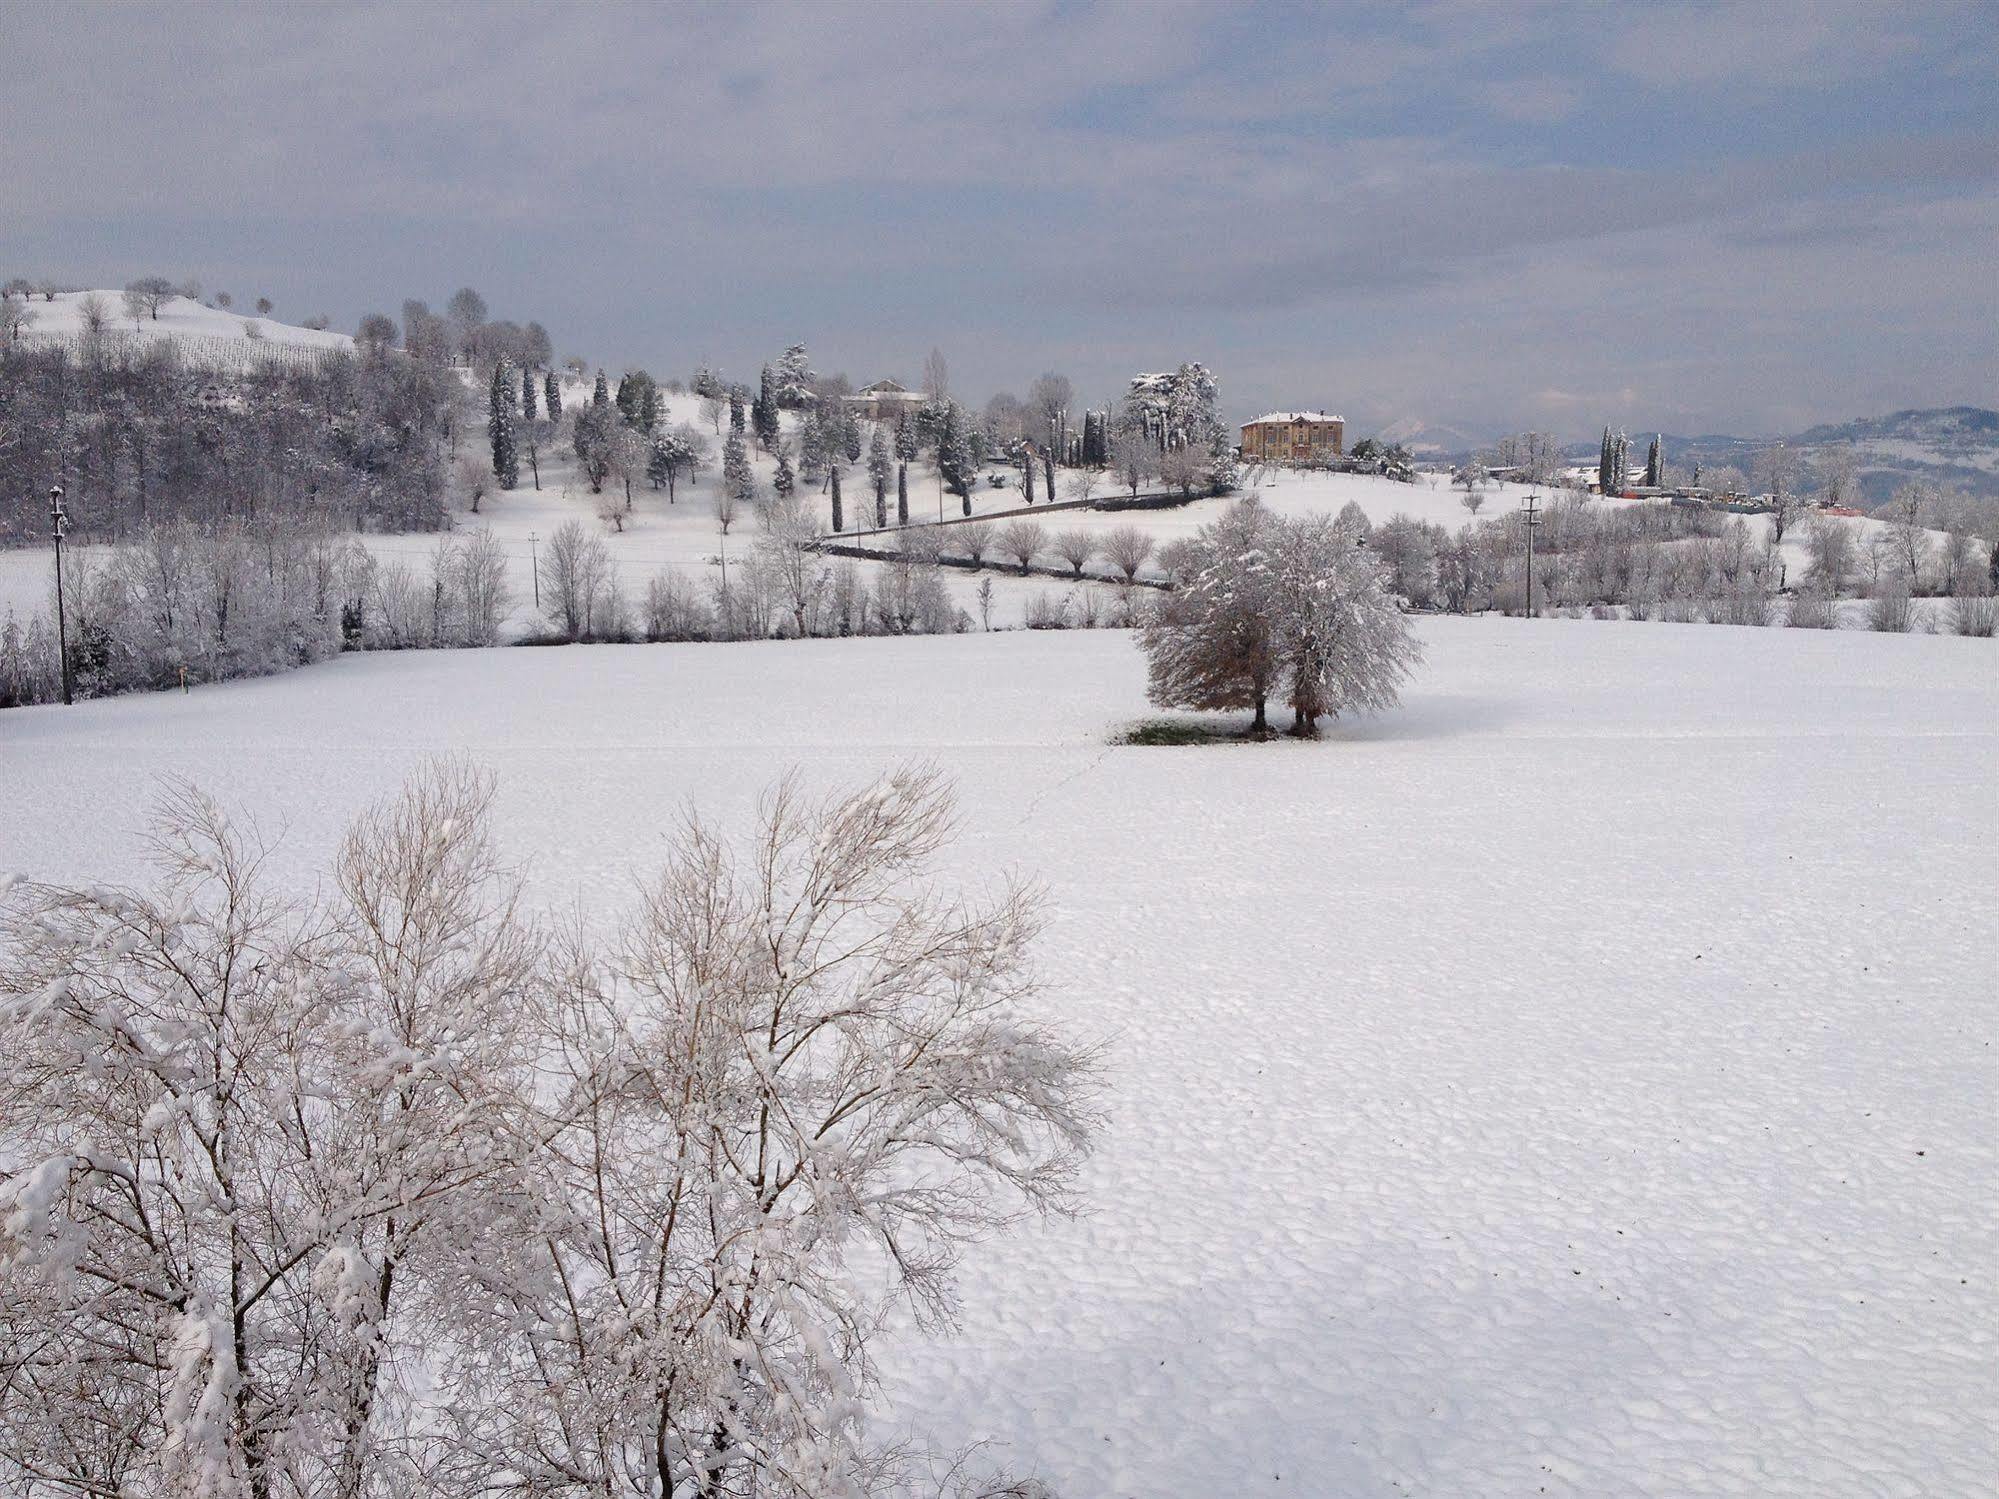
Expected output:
{"points": [[181, 318], [1580, 1081]]}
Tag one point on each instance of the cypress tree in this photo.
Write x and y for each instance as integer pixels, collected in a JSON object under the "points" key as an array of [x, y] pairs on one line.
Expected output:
{"points": [[1048, 472], [837, 526], [786, 481], [527, 394], [905, 437], [500, 427], [902, 498], [551, 388], [600, 398], [1027, 475], [763, 415], [736, 423]]}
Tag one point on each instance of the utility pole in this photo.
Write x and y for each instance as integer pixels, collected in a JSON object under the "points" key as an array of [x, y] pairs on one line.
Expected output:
{"points": [[534, 567], [59, 523], [1533, 520]]}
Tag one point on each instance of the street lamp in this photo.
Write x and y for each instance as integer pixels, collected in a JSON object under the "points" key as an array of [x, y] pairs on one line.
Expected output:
{"points": [[58, 524]]}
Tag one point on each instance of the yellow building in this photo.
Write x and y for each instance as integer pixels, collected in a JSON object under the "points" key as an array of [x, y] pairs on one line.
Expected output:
{"points": [[1293, 437]]}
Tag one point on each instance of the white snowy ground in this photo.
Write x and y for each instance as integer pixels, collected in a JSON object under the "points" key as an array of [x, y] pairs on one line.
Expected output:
{"points": [[1578, 1081], [180, 317]]}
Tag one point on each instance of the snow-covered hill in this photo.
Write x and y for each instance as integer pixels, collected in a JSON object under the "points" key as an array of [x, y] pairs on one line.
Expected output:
{"points": [[209, 336]]}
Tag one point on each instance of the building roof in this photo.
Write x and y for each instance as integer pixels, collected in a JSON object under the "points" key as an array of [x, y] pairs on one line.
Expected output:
{"points": [[1294, 416]]}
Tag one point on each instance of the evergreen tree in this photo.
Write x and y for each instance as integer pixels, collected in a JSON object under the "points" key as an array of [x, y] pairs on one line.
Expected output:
{"points": [[1655, 463], [878, 471], [1603, 463], [736, 423], [551, 389], [500, 427], [1048, 472], [600, 398], [902, 506], [651, 405], [1027, 472], [955, 462], [527, 394], [707, 383], [850, 431], [764, 415], [812, 446], [736, 467], [837, 526], [905, 437], [786, 482]]}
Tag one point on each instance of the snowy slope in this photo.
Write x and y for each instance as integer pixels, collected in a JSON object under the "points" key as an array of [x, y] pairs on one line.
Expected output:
{"points": [[180, 318], [1578, 1082]]}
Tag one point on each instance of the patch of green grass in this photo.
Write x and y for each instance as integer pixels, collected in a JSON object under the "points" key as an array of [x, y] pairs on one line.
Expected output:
{"points": [[1175, 731]]}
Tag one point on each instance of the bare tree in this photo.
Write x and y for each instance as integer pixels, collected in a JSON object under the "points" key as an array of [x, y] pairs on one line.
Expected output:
{"points": [[14, 320], [1075, 546], [1183, 469], [1022, 540], [1134, 458], [145, 297], [976, 537], [1777, 470], [794, 1051], [936, 376], [575, 572], [1081, 484], [1126, 548]]}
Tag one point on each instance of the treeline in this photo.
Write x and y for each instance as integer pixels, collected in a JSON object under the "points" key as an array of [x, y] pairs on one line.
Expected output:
{"points": [[190, 603], [1676, 562], [137, 437]]}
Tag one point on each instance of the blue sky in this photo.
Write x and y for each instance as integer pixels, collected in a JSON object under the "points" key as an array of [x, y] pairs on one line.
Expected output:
{"points": [[1719, 217]]}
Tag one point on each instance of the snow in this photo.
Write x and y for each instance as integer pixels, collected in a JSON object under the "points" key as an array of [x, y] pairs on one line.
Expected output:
{"points": [[1293, 416], [180, 317], [1578, 1081]]}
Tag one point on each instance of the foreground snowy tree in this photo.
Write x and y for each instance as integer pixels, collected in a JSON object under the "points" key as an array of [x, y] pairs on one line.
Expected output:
{"points": [[389, 1192], [245, 1129], [798, 1085], [1264, 604]]}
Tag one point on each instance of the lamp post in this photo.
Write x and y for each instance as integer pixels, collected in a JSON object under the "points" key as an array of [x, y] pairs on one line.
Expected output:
{"points": [[1533, 520], [534, 567], [58, 524]]}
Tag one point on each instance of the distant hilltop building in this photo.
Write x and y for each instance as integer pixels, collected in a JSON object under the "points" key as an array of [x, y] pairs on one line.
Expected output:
{"points": [[1293, 437], [885, 400]]}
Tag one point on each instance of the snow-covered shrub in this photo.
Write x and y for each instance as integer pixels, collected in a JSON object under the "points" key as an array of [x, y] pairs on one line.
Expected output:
{"points": [[975, 538], [1814, 608], [1974, 614], [1890, 610], [1044, 611]]}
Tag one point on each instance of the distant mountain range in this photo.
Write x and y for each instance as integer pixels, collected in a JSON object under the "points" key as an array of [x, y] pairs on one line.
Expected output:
{"points": [[1949, 445]]}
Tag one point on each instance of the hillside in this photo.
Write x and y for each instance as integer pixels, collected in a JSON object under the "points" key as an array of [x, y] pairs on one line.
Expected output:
{"points": [[209, 336]]}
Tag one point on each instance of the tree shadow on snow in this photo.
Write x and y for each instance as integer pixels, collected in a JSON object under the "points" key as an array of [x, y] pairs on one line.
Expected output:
{"points": [[1445, 716]]}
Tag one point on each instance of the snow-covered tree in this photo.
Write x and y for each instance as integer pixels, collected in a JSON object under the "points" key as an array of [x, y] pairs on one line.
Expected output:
{"points": [[1134, 457], [1264, 604], [902, 494], [1075, 546], [955, 463], [796, 1052], [736, 467], [1127, 549], [1022, 540], [764, 414], [786, 482], [838, 518], [500, 427], [793, 377], [1345, 643], [879, 468], [551, 389]]}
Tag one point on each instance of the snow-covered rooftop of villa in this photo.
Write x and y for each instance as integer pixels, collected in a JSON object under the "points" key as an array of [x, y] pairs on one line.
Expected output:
{"points": [[1294, 416]]}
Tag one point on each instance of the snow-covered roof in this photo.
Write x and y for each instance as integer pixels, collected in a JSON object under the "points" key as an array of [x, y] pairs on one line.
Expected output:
{"points": [[1294, 416]]}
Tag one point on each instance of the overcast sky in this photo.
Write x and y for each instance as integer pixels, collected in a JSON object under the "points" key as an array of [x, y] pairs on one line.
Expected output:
{"points": [[1698, 218]]}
